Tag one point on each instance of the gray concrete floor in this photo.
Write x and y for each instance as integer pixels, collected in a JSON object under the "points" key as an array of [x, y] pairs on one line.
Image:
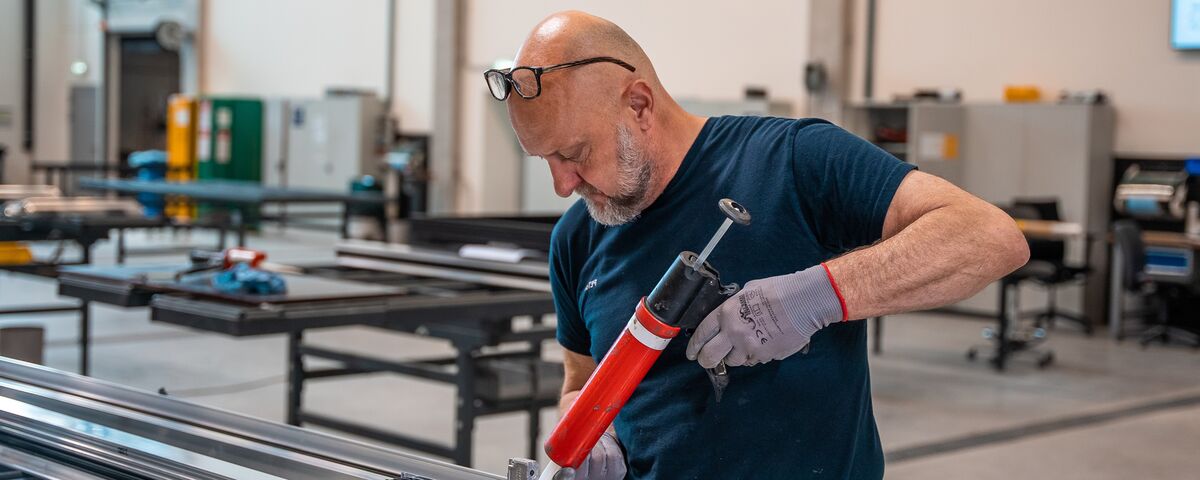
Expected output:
{"points": [[1098, 413]]}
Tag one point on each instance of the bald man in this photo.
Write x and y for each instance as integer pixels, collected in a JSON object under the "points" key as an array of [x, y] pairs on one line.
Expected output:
{"points": [[842, 231]]}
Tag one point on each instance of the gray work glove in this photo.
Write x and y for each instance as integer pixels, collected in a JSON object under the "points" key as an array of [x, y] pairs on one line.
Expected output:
{"points": [[605, 462], [769, 319]]}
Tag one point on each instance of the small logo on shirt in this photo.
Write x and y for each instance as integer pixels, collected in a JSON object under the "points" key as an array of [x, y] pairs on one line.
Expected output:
{"points": [[589, 285]]}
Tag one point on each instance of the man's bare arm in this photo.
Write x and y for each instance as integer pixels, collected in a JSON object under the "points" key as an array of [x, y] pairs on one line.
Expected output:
{"points": [[940, 245], [576, 371]]}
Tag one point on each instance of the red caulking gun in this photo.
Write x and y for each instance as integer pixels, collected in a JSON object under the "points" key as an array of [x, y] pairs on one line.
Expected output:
{"points": [[687, 293]]}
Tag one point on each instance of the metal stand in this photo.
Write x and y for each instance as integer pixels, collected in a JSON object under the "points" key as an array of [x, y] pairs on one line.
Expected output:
{"points": [[461, 370]]}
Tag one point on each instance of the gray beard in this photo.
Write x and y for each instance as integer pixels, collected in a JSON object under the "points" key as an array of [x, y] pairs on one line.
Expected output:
{"points": [[634, 174]]}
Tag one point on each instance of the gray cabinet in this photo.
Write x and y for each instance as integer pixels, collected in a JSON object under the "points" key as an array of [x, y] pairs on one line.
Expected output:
{"points": [[1047, 150]]}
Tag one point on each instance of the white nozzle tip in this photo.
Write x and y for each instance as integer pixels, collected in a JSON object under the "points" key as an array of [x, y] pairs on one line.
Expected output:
{"points": [[550, 471]]}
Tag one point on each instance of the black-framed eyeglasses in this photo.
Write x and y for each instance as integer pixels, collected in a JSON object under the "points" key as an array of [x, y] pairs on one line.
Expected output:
{"points": [[527, 81]]}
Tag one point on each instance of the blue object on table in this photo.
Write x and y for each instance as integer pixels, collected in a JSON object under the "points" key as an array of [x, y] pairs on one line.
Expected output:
{"points": [[1192, 165], [151, 165], [244, 279]]}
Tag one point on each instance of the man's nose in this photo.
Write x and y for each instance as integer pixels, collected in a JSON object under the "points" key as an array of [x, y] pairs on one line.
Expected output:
{"points": [[566, 177]]}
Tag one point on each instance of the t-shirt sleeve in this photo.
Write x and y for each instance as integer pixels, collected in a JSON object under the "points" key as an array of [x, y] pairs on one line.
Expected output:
{"points": [[845, 185], [572, 334]]}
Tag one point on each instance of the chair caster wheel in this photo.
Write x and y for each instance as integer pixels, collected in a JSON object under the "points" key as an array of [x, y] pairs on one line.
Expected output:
{"points": [[1045, 361], [972, 353]]}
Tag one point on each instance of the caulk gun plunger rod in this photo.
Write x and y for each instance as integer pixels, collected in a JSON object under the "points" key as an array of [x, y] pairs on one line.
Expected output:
{"points": [[712, 243]]}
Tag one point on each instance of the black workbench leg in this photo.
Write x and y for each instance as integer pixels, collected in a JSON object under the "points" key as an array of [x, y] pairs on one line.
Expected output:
{"points": [[464, 421], [239, 220], [877, 348], [85, 339], [86, 252], [295, 392], [535, 413], [1002, 329], [120, 246]]}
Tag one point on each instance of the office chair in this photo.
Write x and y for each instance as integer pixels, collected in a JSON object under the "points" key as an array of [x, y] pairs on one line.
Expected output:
{"points": [[1128, 237], [1008, 336], [1052, 253]]}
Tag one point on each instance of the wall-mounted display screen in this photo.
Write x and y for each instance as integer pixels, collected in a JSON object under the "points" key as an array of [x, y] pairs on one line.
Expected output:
{"points": [[1185, 24]]}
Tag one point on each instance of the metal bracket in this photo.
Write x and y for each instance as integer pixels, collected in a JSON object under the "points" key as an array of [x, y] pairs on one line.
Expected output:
{"points": [[522, 469]]}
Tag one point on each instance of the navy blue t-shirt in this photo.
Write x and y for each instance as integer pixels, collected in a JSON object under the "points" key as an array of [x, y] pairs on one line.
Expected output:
{"points": [[814, 192]]}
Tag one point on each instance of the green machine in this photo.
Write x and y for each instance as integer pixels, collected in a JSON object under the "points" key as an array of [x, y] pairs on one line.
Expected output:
{"points": [[229, 142]]}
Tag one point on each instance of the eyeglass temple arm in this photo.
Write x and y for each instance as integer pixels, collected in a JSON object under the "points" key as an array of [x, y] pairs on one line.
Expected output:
{"points": [[589, 61]]}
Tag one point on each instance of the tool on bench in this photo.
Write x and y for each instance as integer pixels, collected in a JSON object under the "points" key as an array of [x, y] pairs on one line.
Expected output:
{"points": [[235, 271], [204, 261], [688, 292]]}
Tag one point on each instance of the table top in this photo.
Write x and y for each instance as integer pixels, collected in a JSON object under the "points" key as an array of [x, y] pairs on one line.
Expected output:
{"points": [[19, 191], [1050, 229], [231, 191], [301, 288], [68, 227], [1156, 238], [397, 302]]}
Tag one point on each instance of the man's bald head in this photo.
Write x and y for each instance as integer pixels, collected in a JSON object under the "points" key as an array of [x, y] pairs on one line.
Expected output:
{"points": [[604, 130], [574, 35]]}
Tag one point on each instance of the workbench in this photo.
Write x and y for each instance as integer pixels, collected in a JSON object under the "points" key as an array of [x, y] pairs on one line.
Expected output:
{"points": [[239, 197], [85, 231], [471, 315]]}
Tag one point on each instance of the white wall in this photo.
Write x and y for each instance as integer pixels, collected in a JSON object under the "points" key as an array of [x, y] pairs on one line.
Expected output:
{"points": [[67, 31], [705, 49], [301, 47], [1119, 46], [11, 84]]}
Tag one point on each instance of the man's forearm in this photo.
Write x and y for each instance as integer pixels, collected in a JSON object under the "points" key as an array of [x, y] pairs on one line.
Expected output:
{"points": [[566, 400], [946, 255]]}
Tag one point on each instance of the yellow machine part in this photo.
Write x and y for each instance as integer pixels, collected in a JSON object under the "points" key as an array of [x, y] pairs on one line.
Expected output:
{"points": [[181, 151], [15, 253]]}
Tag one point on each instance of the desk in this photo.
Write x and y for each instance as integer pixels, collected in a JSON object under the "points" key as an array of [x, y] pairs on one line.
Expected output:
{"points": [[1051, 230], [1116, 293]]}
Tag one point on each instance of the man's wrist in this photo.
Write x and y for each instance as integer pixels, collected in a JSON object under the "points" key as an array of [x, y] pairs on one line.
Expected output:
{"points": [[812, 301]]}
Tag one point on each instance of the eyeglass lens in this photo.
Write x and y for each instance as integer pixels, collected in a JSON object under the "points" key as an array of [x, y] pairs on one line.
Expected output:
{"points": [[526, 82], [497, 84]]}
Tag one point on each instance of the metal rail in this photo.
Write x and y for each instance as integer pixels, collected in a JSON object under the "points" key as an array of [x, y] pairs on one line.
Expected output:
{"points": [[56, 418]]}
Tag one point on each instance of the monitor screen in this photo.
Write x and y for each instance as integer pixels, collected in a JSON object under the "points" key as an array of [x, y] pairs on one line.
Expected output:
{"points": [[1185, 24]]}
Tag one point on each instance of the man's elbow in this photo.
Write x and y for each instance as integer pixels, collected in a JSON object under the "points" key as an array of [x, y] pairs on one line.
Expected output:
{"points": [[1011, 247]]}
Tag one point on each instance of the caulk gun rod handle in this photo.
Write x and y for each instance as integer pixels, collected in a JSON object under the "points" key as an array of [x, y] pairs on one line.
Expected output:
{"points": [[712, 243]]}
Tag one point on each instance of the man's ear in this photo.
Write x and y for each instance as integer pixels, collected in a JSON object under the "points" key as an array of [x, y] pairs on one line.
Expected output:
{"points": [[641, 101]]}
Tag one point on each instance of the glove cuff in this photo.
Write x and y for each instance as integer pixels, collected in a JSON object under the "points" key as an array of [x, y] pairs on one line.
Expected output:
{"points": [[813, 301]]}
